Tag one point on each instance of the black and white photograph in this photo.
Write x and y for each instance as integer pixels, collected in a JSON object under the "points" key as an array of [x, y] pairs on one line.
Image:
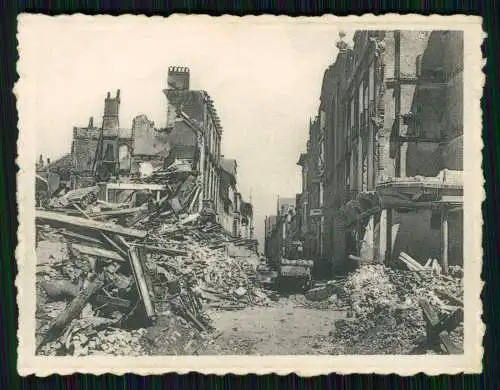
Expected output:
{"points": [[196, 191]]}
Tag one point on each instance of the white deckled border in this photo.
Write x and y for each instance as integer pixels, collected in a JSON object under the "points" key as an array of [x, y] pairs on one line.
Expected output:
{"points": [[470, 362]]}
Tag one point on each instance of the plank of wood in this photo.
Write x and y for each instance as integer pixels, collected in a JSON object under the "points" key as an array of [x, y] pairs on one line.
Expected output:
{"points": [[51, 218], [98, 252], [71, 311], [135, 186], [411, 260], [409, 265], [80, 237], [449, 345], [114, 213], [113, 301], [167, 251], [430, 314], [140, 280]]}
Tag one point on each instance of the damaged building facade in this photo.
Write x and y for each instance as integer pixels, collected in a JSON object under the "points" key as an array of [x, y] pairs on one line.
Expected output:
{"points": [[385, 167], [127, 158], [235, 215], [281, 231]]}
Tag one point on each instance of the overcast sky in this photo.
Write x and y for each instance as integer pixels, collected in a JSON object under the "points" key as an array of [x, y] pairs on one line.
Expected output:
{"points": [[264, 76]]}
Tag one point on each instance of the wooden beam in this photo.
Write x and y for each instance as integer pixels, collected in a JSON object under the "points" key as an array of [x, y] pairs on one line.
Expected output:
{"points": [[73, 309], [167, 251], [430, 314], [135, 186], [80, 237], [51, 218], [449, 345], [119, 212], [105, 236], [112, 301], [140, 280], [98, 252]]}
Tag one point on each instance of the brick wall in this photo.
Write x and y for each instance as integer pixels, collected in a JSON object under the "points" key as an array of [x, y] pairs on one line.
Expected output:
{"points": [[146, 140], [85, 141]]}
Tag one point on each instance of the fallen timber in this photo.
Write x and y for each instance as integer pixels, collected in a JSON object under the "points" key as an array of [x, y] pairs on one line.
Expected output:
{"points": [[137, 267], [167, 251], [71, 311], [98, 252], [437, 330], [51, 218]]}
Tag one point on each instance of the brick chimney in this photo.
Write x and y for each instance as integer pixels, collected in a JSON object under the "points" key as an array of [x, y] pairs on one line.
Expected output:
{"points": [[178, 78], [110, 120], [112, 105]]}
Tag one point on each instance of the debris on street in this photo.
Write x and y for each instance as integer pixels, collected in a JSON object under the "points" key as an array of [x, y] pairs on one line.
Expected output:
{"points": [[123, 273], [385, 315]]}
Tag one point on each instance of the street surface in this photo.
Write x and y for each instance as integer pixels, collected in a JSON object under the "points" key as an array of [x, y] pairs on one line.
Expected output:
{"points": [[282, 329]]}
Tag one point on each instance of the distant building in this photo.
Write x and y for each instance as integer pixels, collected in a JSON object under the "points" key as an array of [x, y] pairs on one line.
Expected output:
{"points": [[228, 196], [246, 222]]}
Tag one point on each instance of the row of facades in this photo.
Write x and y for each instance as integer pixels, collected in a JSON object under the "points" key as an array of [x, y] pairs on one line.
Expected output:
{"points": [[192, 134], [382, 171]]}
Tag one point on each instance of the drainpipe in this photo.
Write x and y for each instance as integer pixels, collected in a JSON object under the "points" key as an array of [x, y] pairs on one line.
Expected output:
{"points": [[397, 97]]}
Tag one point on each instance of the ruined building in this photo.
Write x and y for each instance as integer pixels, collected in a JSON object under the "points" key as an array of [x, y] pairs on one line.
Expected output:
{"points": [[281, 230], [229, 211], [195, 129], [101, 152], [387, 159], [191, 137], [235, 215]]}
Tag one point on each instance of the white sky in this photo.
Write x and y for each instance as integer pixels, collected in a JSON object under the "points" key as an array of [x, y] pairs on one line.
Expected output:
{"points": [[264, 75]]}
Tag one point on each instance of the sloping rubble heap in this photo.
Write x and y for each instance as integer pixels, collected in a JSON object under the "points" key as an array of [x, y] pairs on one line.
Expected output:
{"points": [[385, 315], [220, 281], [188, 271]]}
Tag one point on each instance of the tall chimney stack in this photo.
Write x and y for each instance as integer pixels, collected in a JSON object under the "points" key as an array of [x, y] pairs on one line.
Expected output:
{"points": [[178, 78]]}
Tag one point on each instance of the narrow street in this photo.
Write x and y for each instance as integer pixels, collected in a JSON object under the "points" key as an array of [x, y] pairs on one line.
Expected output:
{"points": [[276, 330], [150, 240]]}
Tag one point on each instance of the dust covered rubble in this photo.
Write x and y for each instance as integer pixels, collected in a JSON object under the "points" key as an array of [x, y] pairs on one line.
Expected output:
{"points": [[385, 316], [189, 270]]}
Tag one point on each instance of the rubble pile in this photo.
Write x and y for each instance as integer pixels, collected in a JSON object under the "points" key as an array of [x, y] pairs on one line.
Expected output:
{"points": [[129, 278], [387, 310], [221, 281]]}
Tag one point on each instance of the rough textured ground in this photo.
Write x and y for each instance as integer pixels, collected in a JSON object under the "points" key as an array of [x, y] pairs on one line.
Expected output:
{"points": [[282, 329]]}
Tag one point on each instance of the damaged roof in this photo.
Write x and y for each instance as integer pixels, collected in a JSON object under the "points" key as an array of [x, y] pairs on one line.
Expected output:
{"points": [[65, 162], [229, 165], [285, 203]]}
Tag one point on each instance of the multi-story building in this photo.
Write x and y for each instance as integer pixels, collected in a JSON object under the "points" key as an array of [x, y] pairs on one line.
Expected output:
{"points": [[229, 212], [235, 215], [247, 227], [195, 107], [311, 199], [281, 230], [272, 239], [191, 138], [391, 121]]}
